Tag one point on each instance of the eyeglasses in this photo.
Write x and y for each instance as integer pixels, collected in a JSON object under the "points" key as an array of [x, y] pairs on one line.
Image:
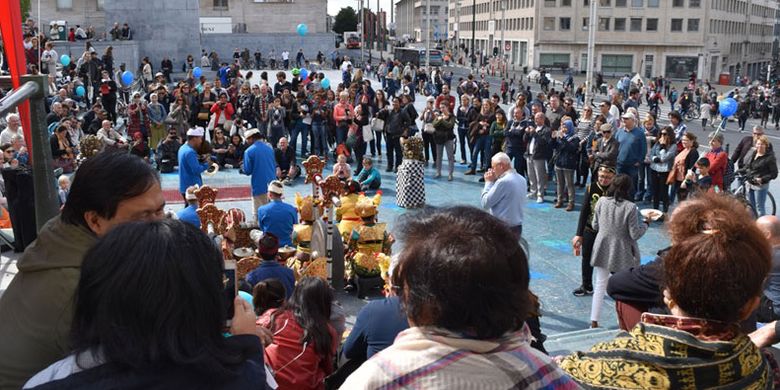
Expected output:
{"points": [[606, 131], [758, 133]]}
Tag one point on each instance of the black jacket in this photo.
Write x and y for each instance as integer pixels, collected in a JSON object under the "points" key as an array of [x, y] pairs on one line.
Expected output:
{"points": [[592, 195], [764, 167], [606, 153], [542, 144], [250, 374], [396, 122], [742, 150]]}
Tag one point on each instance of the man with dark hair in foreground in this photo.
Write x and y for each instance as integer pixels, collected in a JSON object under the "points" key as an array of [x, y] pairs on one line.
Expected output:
{"points": [[37, 307]]}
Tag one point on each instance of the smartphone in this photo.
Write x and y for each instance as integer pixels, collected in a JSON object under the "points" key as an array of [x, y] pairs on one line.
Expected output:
{"points": [[231, 289]]}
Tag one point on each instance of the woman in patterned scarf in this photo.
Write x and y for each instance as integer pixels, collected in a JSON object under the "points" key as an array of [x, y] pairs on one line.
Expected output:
{"points": [[714, 275]]}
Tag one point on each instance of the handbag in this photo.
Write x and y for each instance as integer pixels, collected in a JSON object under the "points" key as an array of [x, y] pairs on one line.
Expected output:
{"points": [[672, 176], [203, 116], [428, 128], [377, 124], [368, 133]]}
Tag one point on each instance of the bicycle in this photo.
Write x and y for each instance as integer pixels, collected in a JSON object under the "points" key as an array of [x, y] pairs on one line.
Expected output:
{"points": [[692, 113], [741, 193]]}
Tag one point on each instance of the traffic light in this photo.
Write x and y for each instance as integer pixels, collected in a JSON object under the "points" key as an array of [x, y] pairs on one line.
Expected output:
{"points": [[495, 51]]}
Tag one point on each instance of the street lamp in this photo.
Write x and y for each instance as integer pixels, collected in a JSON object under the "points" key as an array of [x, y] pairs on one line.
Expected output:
{"points": [[591, 45], [428, 35], [503, 26]]}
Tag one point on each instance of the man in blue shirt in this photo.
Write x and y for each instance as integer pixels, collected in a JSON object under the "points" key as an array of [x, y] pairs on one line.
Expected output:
{"points": [[632, 148], [277, 217], [190, 167], [259, 162], [375, 329], [270, 268], [189, 214], [505, 193]]}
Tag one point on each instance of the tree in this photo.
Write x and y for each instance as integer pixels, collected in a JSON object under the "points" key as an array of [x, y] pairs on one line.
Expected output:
{"points": [[25, 8], [346, 20]]}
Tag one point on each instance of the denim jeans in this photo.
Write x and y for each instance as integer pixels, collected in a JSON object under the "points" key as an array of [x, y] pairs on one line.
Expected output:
{"points": [[482, 145], [302, 129], [631, 171], [319, 143], [463, 140], [518, 161], [341, 134], [376, 144], [645, 183], [757, 198]]}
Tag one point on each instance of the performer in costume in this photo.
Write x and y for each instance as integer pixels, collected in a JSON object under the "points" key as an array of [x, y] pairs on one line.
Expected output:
{"points": [[301, 237], [345, 214], [367, 240]]}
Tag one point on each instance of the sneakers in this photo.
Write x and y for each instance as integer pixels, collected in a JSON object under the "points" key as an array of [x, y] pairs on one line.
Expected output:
{"points": [[582, 291], [531, 195], [228, 166], [449, 178], [539, 199]]}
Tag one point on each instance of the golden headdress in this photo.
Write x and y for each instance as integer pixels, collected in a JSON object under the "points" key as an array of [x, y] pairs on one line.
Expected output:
{"points": [[367, 206], [305, 207]]}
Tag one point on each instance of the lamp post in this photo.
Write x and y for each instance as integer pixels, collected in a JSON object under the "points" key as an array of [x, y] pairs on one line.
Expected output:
{"points": [[457, 27], [503, 26], [428, 35], [473, 28], [591, 46]]}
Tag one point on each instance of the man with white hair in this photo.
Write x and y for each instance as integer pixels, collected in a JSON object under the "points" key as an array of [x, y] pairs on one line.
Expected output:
{"points": [[632, 148], [14, 128], [504, 192]]}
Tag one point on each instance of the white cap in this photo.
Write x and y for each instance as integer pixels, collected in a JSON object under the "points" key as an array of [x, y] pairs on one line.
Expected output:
{"points": [[251, 132], [195, 132], [276, 187], [190, 194]]}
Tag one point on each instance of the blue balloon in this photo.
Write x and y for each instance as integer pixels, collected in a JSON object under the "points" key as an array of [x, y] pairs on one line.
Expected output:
{"points": [[246, 296], [302, 29], [197, 72], [65, 60], [304, 74], [80, 91], [127, 77], [325, 83], [727, 107]]}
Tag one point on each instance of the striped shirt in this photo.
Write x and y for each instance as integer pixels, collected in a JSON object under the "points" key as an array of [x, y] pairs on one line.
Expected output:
{"points": [[434, 358]]}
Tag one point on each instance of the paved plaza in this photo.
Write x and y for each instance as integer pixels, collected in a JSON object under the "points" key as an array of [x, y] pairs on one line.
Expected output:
{"points": [[555, 271]]}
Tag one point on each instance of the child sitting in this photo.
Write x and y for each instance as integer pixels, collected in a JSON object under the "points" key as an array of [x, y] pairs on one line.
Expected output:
{"points": [[369, 177], [341, 169]]}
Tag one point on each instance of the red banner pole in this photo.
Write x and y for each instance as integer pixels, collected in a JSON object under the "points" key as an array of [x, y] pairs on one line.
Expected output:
{"points": [[11, 31]]}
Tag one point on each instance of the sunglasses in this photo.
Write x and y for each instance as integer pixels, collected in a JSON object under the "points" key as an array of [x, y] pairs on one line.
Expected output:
{"points": [[606, 131]]}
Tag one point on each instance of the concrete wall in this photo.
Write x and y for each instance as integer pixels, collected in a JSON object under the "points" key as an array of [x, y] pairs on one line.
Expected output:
{"points": [[167, 28], [224, 44], [124, 52], [82, 12], [271, 16]]}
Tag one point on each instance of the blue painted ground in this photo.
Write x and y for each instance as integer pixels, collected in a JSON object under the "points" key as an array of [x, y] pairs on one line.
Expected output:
{"points": [[555, 272]]}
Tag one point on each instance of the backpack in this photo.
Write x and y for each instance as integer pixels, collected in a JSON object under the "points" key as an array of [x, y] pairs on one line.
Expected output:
{"points": [[728, 174]]}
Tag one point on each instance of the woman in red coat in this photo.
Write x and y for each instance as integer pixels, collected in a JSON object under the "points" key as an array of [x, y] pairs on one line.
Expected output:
{"points": [[718, 160], [222, 114], [304, 342], [138, 114]]}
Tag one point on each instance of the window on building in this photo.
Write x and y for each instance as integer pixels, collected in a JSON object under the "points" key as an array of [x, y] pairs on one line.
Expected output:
{"points": [[652, 25], [694, 3], [554, 60], [565, 3], [636, 24], [678, 3], [677, 25], [616, 64], [693, 25], [220, 4], [603, 24], [565, 24], [637, 3], [549, 24], [100, 4], [605, 3], [585, 24], [653, 3], [64, 4], [549, 3], [620, 3], [620, 24], [586, 3]]}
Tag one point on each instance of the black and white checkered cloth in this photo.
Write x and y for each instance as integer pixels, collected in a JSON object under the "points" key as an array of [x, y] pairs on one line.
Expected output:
{"points": [[410, 185]]}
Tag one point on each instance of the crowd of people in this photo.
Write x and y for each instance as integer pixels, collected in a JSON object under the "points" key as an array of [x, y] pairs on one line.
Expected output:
{"points": [[99, 322]]}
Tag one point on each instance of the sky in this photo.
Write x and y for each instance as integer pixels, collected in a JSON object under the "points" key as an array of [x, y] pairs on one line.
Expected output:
{"points": [[335, 5]]}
